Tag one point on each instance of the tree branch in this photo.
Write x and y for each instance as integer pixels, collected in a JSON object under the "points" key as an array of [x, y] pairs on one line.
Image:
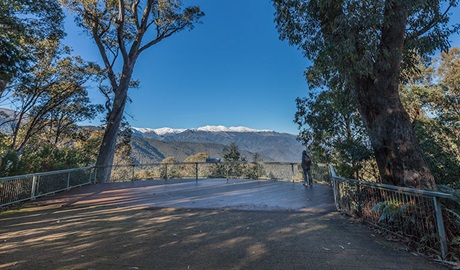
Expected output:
{"points": [[97, 38], [134, 7], [141, 30], [430, 25], [159, 38], [120, 31]]}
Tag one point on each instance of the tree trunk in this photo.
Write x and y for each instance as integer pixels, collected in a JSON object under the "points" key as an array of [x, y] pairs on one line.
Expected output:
{"points": [[399, 157], [2, 87], [107, 150], [397, 151]]}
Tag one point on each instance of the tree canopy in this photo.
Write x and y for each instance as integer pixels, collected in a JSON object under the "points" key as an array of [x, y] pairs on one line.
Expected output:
{"points": [[431, 97], [331, 127], [363, 46], [23, 24]]}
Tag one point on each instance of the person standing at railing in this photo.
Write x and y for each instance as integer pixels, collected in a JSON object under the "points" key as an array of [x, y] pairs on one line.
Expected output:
{"points": [[306, 167]]}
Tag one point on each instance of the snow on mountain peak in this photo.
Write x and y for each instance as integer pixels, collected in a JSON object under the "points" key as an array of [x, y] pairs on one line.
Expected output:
{"points": [[230, 129], [212, 129], [166, 130], [143, 130], [160, 131]]}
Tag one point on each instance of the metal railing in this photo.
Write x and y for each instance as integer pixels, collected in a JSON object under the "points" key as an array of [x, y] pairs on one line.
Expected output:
{"points": [[21, 188], [15, 189], [282, 171], [411, 213]]}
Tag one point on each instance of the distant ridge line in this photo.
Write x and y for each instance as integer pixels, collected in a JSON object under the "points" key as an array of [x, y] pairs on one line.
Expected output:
{"points": [[208, 128]]}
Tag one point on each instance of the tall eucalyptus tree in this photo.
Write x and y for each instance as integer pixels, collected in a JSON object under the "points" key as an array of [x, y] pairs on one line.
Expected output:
{"points": [[365, 45], [122, 30]]}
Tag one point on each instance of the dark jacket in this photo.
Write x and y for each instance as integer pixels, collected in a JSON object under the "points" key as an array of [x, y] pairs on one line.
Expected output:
{"points": [[306, 161]]}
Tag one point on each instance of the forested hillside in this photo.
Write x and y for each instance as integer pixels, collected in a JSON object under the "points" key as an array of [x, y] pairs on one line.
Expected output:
{"points": [[271, 145], [147, 151]]}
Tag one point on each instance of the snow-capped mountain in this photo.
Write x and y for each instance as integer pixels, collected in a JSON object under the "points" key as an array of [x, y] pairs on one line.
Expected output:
{"points": [[166, 130], [271, 145], [160, 131], [230, 129]]}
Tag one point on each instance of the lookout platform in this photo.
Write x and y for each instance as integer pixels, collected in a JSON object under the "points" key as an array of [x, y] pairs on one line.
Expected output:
{"points": [[188, 224]]}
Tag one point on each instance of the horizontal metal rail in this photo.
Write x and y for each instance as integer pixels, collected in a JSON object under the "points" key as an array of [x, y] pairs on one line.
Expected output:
{"points": [[3, 179], [412, 213], [283, 171], [15, 189], [420, 192]]}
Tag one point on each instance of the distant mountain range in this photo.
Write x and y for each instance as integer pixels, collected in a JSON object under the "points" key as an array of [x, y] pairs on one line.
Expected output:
{"points": [[152, 145]]}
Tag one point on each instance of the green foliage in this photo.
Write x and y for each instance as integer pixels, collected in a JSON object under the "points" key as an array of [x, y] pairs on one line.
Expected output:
{"points": [[441, 152], [232, 167], [9, 163], [24, 24], [331, 127], [41, 156], [344, 38], [431, 97], [49, 158], [232, 154], [390, 211], [51, 96], [455, 241], [255, 169]]}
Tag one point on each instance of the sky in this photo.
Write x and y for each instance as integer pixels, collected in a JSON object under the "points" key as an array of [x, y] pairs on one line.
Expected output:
{"points": [[230, 70]]}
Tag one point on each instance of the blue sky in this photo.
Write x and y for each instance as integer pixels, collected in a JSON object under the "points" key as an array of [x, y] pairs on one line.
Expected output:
{"points": [[231, 70]]}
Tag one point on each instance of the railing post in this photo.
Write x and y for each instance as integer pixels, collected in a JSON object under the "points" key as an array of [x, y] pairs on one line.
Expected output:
{"points": [[132, 174], [440, 223], [359, 200], [258, 171], [335, 186], [91, 176], [166, 171], [95, 175], [196, 171], [68, 181], [292, 169], [34, 187], [335, 189]]}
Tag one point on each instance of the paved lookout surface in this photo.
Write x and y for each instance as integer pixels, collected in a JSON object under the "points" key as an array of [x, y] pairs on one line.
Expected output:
{"points": [[209, 224]]}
